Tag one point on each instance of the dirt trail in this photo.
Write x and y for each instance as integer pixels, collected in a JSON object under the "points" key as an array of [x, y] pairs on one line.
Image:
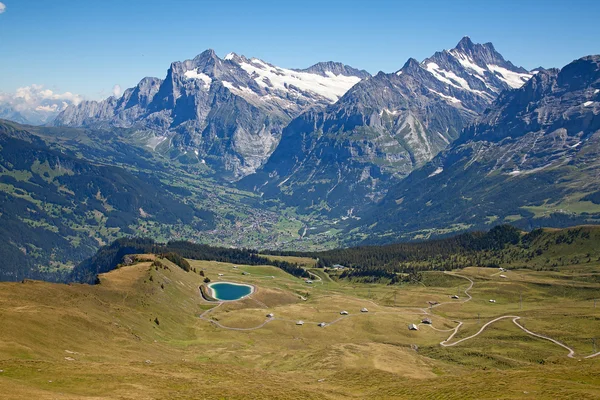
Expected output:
{"points": [[419, 311], [515, 318]]}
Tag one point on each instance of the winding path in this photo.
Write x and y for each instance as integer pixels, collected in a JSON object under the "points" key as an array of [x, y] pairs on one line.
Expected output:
{"points": [[421, 311], [515, 318]]}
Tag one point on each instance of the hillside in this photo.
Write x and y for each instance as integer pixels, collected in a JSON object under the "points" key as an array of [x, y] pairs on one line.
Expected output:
{"points": [[58, 208], [65, 192], [530, 160], [343, 158], [145, 332]]}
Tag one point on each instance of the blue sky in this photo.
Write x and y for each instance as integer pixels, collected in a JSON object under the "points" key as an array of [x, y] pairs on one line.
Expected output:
{"points": [[86, 46]]}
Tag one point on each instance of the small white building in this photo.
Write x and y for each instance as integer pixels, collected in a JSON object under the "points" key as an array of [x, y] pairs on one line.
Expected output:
{"points": [[344, 312], [245, 273], [503, 276], [309, 281], [413, 327], [455, 296], [338, 266], [364, 310], [300, 322], [322, 324], [235, 267], [221, 274], [492, 301], [270, 315], [426, 321]]}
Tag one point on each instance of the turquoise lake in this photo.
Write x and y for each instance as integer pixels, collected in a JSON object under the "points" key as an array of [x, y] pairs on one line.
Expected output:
{"points": [[229, 291]]}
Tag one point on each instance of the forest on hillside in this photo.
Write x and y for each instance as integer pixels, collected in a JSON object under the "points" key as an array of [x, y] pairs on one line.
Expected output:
{"points": [[109, 257]]}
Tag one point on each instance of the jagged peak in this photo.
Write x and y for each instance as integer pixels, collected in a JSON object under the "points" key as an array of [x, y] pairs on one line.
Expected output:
{"points": [[208, 53], [465, 43], [230, 56], [410, 65], [467, 46], [149, 80], [336, 68]]}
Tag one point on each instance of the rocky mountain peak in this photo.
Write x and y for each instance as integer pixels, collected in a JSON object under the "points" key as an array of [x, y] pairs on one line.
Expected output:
{"points": [[537, 144], [465, 44], [383, 128], [336, 68], [228, 112], [581, 73], [410, 65]]}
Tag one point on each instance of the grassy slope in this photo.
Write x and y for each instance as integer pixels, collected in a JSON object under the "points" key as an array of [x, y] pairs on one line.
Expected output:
{"points": [[109, 331]]}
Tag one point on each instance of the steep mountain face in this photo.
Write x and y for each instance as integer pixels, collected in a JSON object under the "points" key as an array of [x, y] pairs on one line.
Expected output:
{"points": [[532, 159], [57, 208], [347, 155], [228, 112]]}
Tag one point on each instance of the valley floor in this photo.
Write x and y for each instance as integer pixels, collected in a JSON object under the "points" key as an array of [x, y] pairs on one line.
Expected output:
{"points": [[145, 332]]}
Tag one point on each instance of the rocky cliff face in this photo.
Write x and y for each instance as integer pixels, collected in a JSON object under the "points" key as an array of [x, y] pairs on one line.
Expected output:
{"points": [[531, 159], [228, 112], [347, 155]]}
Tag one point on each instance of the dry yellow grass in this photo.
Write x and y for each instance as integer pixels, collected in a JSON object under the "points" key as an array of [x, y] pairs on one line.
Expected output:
{"points": [[103, 342]]}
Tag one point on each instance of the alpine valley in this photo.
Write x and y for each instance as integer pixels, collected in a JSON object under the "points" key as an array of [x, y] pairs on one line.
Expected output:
{"points": [[235, 151]]}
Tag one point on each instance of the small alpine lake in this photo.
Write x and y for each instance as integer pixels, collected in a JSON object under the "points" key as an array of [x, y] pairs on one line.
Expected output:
{"points": [[228, 291]]}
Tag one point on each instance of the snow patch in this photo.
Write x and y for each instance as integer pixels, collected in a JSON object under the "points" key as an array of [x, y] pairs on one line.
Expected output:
{"points": [[436, 172], [243, 91], [391, 112], [588, 103], [449, 98], [448, 77], [331, 86], [466, 62], [199, 75], [575, 145], [443, 137], [515, 173], [229, 56], [196, 152], [513, 79]]}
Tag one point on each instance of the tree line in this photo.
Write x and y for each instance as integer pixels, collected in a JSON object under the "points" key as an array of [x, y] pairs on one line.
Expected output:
{"points": [[109, 257]]}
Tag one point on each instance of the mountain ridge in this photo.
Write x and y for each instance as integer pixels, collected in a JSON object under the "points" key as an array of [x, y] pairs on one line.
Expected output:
{"points": [[228, 112], [530, 159], [382, 128]]}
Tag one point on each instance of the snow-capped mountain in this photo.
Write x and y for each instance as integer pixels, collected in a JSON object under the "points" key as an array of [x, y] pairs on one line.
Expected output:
{"points": [[476, 68], [531, 159], [228, 112], [347, 154]]}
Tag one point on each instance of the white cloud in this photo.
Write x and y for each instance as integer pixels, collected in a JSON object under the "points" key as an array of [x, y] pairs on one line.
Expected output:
{"points": [[38, 104], [49, 108], [116, 90], [34, 95], [2, 8]]}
